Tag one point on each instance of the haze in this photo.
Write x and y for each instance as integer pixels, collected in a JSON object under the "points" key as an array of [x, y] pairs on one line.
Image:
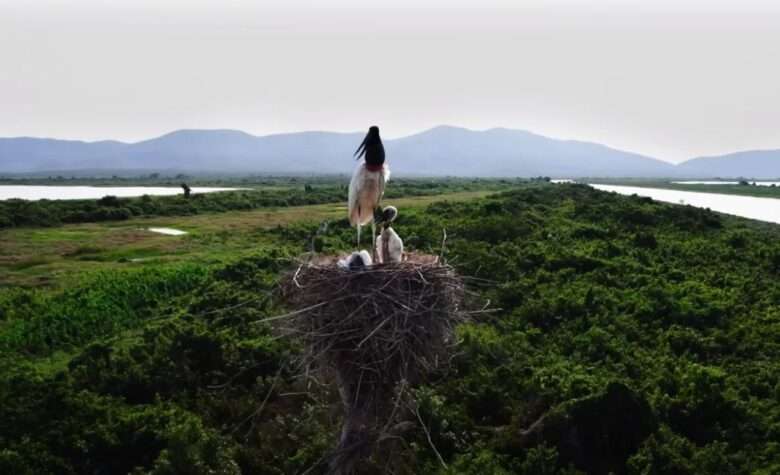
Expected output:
{"points": [[672, 80]]}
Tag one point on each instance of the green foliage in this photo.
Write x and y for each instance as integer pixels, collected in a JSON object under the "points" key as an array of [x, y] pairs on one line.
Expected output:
{"points": [[104, 303], [193, 450], [618, 316]]}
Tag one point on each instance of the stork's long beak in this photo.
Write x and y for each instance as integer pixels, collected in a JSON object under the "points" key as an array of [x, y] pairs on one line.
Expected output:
{"points": [[379, 216], [361, 148]]}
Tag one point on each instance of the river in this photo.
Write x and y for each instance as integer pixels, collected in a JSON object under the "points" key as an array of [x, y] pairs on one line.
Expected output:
{"points": [[756, 183], [762, 209]]}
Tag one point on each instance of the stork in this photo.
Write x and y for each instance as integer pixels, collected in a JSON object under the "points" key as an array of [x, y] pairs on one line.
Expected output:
{"points": [[368, 182], [389, 246], [358, 260]]}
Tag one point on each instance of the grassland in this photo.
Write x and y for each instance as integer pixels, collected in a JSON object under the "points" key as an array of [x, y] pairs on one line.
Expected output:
{"points": [[34, 256]]}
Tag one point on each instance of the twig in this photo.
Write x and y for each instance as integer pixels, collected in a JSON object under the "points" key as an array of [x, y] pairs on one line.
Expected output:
{"points": [[262, 405], [233, 307], [428, 435], [443, 243], [295, 277], [291, 314], [373, 331]]}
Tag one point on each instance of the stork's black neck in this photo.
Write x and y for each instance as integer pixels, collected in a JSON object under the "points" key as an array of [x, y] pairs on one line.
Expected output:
{"points": [[375, 153]]}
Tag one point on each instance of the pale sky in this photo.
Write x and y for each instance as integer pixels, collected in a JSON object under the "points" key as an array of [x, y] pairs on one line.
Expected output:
{"points": [[671, 79]]}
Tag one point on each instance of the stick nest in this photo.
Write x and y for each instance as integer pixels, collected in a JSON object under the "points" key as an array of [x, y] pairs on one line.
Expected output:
{"points": [[377, 330], [379, 325]]}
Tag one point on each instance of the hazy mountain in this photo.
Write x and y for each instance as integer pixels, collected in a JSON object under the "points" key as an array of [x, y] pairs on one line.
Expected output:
{"points": [[31, 154], [187, 150], [750, 164], [505, 152], [439, 151]]}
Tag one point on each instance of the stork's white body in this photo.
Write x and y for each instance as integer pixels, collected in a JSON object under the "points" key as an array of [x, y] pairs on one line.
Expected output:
{"points": [[365, 191], [389, 246]]}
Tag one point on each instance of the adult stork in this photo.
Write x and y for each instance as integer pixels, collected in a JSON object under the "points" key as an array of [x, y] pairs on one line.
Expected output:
{"points": [[389, 246], [368, 182]]}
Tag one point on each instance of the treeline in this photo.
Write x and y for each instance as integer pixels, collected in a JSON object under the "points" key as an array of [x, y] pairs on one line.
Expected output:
{"points": [[110, 208], [16, 212]]}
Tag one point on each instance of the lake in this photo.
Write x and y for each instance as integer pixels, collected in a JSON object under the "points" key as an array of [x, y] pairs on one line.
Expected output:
{"points": [[26, 192], [762, 209], [168, 231], [757, 183]]}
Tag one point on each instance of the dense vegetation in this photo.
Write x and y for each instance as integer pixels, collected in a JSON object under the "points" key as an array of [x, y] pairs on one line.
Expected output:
{"points": [[632, 336], [268, 193]]}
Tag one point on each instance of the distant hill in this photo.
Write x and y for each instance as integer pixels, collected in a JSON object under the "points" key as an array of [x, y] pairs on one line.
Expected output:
{"points": [[750, 164], [441, 151], [449, 150], [210, 151]]}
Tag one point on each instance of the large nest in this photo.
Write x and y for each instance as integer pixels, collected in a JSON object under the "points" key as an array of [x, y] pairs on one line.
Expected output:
{"points": [[378, 329], [393, 321]]}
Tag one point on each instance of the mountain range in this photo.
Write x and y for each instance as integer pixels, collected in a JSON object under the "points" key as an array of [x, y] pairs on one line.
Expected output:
{"points": [[441, 151]]}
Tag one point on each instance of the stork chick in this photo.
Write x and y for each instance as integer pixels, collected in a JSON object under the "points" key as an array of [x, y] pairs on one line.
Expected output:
{"points": [[389, 246], [358, 260]]}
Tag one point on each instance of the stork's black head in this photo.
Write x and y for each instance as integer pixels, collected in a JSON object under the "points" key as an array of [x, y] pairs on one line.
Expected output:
{"points": [[372, 147], [356, 262], [359, 260]]}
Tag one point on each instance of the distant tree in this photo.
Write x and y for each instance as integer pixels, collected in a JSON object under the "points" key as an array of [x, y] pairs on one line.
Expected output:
{"points": [[743, 183], [110, 201], [186, 189]]}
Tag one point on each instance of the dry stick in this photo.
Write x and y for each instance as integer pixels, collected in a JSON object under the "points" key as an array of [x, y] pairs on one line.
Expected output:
{"points": [[233, 378], [295, 277], [233, 307], [401, 392], [316, 464], [295, 393], [373, 331], [262, 406], [428, 435], [357, 391], [277, 317], [443, 242]]}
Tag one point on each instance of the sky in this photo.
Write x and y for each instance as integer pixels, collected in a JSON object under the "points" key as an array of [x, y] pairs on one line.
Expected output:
{"points": [[669, 79]]}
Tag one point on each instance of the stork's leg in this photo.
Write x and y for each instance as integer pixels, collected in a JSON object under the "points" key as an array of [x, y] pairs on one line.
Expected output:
{"points": [[373, 241], [358, 236]]}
